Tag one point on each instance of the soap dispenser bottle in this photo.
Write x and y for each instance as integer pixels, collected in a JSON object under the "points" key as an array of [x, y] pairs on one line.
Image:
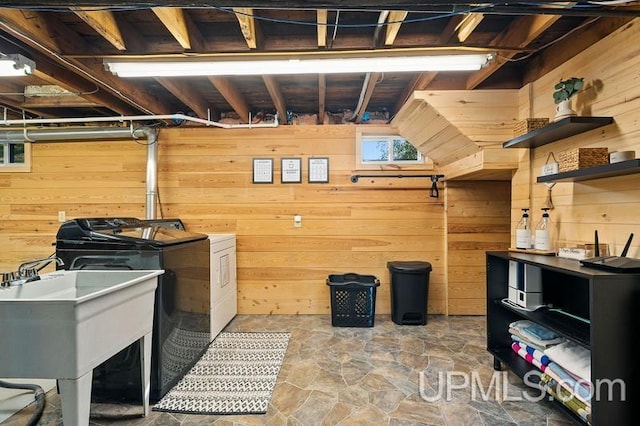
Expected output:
{"points": [[523, 231], [543, 232]]}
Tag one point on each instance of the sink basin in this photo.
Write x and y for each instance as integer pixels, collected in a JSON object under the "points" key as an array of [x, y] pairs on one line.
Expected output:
{"points": [[71, 286], [69, 322]]}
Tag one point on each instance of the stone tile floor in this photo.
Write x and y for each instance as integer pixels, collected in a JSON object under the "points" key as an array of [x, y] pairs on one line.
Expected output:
{"points": [[364, 376]]}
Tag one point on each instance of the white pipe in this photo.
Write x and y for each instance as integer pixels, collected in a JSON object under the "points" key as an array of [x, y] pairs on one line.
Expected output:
{"points": [[34, 135], [102, 133], [121, 118]]}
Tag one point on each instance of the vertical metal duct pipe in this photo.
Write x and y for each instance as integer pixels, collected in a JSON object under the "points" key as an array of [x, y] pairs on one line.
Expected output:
{"points": [[101, 133], [152, 169]]}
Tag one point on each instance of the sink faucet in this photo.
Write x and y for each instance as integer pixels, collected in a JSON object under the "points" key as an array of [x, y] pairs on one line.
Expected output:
{"points": [[28, 268], [27, 271]]}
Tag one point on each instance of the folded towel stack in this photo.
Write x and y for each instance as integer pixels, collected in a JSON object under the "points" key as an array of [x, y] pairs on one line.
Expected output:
{"points": [[573, 358], [534, 334], [566, 397], [566, 366]]}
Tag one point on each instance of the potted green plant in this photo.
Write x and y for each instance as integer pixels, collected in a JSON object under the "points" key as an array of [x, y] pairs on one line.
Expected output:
{"points": [[564, 90]]}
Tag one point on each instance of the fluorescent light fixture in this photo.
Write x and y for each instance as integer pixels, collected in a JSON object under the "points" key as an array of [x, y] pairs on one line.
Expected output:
{"points": [[186, 68], [15, 65]]}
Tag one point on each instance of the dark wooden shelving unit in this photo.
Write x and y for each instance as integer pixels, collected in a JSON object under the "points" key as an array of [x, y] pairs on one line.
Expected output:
{"points": [[597, 172], [561, 129], [605, 301]]}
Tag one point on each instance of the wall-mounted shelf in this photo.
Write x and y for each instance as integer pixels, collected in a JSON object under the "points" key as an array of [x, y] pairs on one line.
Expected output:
{"points": [[561, 129], [597, 172]]}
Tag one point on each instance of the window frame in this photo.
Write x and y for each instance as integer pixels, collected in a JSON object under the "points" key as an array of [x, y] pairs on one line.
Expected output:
{"points": [[366, 132], [17, 167]]}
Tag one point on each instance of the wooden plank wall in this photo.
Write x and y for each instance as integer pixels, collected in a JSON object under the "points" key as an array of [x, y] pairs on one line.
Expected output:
{"points": [[477, 212], [477, 220], [205, 178], [611, 70]]}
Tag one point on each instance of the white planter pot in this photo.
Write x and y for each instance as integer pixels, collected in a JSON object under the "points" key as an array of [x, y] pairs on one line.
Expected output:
{"points": [[563, 110]]}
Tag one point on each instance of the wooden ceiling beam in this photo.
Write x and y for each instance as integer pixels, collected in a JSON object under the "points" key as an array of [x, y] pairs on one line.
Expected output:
{"points": [[567, 48], [173, 19], [422, 80], [232, 95], [394, 20], [520, 33], [468, 24], [322, 93], [104, 23], [52, 38], [276, 96], [374, 77], [247, 26], [187, 95], [321, 19], [72, 101]]}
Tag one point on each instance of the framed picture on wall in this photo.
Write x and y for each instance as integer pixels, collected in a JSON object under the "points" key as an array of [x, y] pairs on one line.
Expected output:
{"points": [[318, 170], [263, 170], [291, 170]]}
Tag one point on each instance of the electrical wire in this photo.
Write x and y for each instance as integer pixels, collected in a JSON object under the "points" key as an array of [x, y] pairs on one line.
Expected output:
{"points": [[376, 24], [551, 43], [439, 15]]}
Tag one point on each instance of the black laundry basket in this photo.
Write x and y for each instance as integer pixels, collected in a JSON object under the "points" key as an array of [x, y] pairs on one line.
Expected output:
{"points": [[409, 292], [353, 299]]}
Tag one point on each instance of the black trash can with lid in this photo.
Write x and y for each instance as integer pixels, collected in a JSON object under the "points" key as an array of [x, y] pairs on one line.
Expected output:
{"points": [[409, 291]]}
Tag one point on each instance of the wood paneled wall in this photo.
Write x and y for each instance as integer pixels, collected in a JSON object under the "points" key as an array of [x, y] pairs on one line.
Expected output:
{"points": [[205, 178], [477, 220], [611, 71]]}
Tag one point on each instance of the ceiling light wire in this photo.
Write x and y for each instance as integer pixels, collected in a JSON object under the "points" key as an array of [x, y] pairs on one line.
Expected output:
{"points": [[551, 43]]}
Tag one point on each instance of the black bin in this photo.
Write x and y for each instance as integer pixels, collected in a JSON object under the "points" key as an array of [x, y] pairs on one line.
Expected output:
{"points": [[353, 299], [409, 291]]}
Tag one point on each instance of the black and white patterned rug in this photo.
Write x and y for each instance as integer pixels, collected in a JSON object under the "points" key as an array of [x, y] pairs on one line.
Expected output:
{"points": [[236, 375]]}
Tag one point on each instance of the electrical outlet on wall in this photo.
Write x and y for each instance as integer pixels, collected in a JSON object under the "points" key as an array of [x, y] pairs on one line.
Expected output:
{"points": [[62, 216]]}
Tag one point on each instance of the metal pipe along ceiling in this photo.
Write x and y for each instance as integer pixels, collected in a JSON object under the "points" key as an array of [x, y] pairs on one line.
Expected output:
{"points": [[36, 135]]}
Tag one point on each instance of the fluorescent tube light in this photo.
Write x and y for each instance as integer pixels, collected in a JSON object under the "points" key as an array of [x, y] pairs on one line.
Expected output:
{"points": [[462, 62], [15, 65]]}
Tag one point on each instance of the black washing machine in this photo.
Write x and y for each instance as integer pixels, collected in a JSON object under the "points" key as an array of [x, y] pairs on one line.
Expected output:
{"points": [[181, 323]]}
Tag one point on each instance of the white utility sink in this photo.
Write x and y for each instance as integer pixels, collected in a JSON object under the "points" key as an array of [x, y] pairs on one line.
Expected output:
{"points": [[69, 322]]}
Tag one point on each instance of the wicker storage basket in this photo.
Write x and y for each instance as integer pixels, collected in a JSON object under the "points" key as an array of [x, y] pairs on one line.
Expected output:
{"points": [[528, 125], [580, 158]]}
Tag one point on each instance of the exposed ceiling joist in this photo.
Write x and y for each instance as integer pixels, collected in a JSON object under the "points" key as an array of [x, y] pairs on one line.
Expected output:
{"points": [[468, 24], [233, 96], [321, 19], [188, 96], [395, 19], [322, 93], [290, 4], [69, 53], [520, 33], [247, 26], [104, 23], [276, 95], [420, 82], [51, 38], [557, 54], [174, 20]]}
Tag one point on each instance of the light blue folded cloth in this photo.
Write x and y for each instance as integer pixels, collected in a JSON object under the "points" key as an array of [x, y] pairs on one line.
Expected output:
{"points": [[536, 333]]}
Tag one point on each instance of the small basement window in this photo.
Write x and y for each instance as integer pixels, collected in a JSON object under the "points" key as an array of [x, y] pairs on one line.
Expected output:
{"points": [[15, 157], [388, 150]]}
